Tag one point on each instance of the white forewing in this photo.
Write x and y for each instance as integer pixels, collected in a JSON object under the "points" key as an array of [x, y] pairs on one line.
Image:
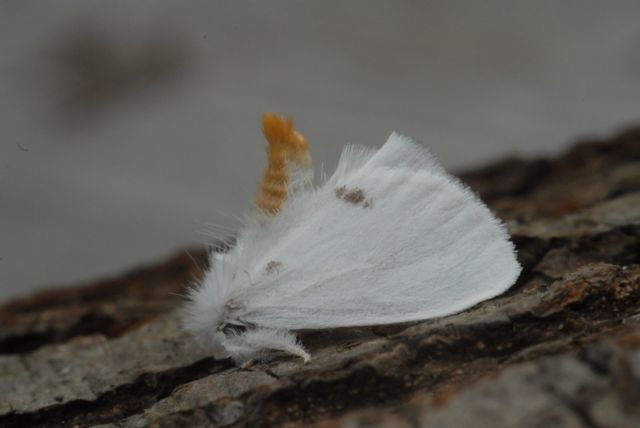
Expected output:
{"points": [[389, 238], [402, 152]]}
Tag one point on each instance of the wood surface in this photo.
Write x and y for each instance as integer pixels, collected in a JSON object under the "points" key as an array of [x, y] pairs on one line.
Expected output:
{"points": [[561, 348]]}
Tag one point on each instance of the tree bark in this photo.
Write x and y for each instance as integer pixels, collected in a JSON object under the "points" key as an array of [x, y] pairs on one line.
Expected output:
{"points": [[560, 348]]}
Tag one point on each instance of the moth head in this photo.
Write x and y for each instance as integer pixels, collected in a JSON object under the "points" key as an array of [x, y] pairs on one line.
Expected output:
{"points": [[204, 313]]}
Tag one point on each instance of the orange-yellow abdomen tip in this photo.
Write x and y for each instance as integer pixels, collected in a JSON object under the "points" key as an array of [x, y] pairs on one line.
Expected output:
{"points": [[276, 129], [279, 131], [287, 148]]}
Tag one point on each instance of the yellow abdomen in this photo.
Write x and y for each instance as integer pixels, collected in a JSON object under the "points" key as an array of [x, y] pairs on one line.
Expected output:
{"points": [[288, 151]]}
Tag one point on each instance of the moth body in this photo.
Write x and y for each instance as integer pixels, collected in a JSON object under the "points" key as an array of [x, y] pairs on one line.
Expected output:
{"points": [[390, 237]]}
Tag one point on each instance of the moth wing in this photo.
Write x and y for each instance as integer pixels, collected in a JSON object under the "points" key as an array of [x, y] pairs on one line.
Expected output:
{"points": [[353, 157], [399, 151], [383, 242]]}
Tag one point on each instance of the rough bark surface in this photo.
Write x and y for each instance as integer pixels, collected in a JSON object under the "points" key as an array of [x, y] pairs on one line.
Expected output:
{"points": [[561, 348]]}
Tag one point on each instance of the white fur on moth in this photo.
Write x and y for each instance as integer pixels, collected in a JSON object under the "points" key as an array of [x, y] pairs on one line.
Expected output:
{"points": [[390, 237]]}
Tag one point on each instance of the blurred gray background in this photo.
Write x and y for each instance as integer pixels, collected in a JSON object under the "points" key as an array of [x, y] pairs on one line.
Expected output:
{"points": [[132, 129]]}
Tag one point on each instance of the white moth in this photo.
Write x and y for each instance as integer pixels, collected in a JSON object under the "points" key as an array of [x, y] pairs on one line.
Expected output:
{"points": [[390, 237]]}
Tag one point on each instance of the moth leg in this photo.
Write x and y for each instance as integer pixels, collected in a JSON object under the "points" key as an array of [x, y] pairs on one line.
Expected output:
{"points": [[256, 342], [242, 353]]}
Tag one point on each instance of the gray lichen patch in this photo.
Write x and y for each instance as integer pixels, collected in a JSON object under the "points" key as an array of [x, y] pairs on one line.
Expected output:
{"points": [[354, 196]]}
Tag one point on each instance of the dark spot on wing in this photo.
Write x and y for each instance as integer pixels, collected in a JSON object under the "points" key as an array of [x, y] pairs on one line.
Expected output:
{"points": [[272, 266], [354, 196]]}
